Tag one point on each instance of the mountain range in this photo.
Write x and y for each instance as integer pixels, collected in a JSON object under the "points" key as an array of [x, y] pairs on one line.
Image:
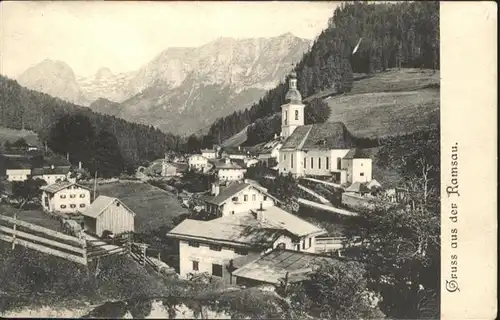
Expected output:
{"points": [[182, 90]]}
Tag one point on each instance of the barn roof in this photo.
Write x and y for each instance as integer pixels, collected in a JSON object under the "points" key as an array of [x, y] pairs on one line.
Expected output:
{"points": [[234, 150], [221, 164], [58, 186], [48, 170], [272, 267], [268, 147], [100, 204], [323, 136], [357, 187], [356, 154]]}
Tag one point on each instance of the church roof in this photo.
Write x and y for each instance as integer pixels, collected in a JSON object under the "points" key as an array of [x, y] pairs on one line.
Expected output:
{"points": [[356, 154], [321, 136]]}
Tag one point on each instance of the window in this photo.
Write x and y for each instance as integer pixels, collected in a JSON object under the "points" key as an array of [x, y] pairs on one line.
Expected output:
{"points": [[72, 205], [63, 206], [217, 270], [72, 195], [281, 246], [196, 265], [82, 205], [215, 247], [82, 195], [265, 198], [339, 160], [284, 156], [327, 163], [235, 199], [305, 162], [291, 161], [310, 242], [296, 114], [62, 196], [362, 174], [193, 244], [297, 247], [254, 197], [312, 166], [242, 252], [319, 163], [303, 244], [245, 197]]}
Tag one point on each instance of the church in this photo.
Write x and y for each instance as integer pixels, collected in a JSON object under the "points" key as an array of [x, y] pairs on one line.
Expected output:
{"points": [[318, 150]]}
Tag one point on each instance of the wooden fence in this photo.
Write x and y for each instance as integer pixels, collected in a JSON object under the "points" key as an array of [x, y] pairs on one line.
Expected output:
{"points": [[42, 239]]}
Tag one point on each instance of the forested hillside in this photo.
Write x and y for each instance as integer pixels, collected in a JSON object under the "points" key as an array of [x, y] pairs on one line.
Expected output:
{"points": [[394, 35], [21, 108]]}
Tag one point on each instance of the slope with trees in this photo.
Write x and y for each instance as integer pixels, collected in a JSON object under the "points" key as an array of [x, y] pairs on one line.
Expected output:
{"points": [[22, 108], [394, 35]]}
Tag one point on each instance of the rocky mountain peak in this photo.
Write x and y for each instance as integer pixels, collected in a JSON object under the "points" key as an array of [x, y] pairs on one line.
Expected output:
{"points": [[103, 72]]}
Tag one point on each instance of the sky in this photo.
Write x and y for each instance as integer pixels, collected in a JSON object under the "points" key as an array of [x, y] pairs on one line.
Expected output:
{"points": [[123, 36]]}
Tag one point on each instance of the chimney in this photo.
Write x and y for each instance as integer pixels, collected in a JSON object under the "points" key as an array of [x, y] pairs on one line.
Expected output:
{"points": [[80, 165], [215, 188], [52, 166], [227, 160], [239, 148], [275, 136]]}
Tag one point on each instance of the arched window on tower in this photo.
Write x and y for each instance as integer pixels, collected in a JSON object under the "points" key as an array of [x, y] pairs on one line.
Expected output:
{"points": [[296, 114], [285, 117]]}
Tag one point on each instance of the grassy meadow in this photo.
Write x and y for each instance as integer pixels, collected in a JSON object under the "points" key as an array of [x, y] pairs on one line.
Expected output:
{"points": [[153, 206], [12, 135]]}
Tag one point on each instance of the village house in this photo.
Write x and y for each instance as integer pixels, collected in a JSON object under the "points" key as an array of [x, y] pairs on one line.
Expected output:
{"points": [[234, 153], [210, 246], [107, 213], [167, 169], [250, 162], [236, 198], [228, 170], [270, 150], [19, 173], [213, 153], [199, 163], [15, 167], [325, 149], [51, 174], [65, 197]]}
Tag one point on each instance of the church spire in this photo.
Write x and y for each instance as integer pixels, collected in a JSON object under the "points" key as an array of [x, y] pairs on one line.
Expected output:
{"points": [[293, 95]]}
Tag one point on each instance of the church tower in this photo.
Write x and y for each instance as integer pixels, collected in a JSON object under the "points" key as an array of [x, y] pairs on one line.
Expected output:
{"points": [[292, 112]]}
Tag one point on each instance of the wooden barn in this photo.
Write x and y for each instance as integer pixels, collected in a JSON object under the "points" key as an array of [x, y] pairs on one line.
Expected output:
{"points": [[107, 213]]}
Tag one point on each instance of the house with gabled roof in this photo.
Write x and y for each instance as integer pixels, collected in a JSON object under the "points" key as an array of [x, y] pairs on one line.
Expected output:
{"points": [[270, 150], [107, 213], [210, 246], [228, 170], [65, 197], [321, 149], [51, 174], [237, 197], [234, 153]]}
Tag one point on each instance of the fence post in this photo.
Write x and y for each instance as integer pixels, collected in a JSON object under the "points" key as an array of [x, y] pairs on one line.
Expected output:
{"points": [[84, 247], [14, 234]]}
